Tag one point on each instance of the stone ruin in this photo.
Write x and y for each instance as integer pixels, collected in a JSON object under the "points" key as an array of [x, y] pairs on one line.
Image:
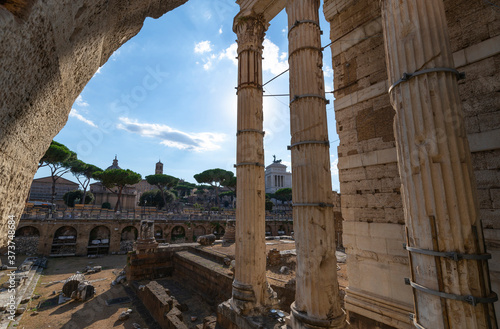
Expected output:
{"points": [[418, 154], [146, 241]]}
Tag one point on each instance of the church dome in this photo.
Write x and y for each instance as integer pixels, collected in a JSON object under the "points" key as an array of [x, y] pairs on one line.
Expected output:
{"points": [[114, 165]]}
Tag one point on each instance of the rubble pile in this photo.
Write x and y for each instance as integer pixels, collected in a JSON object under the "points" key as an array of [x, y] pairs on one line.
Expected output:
{"points": [[127, 245], [206, 240], [273, 257], [26, 245]]}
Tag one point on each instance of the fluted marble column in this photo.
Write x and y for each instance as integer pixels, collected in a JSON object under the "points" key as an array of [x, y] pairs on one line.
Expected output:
{"points": [[317, 301], [438, 190], [251, 292]]}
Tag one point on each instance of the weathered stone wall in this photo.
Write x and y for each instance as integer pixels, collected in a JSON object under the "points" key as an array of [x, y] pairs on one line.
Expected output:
{"points": [[202, 275], [118, 231], [369, 178], [475, 40], [163, 307], [50, 50], [153, 265]]}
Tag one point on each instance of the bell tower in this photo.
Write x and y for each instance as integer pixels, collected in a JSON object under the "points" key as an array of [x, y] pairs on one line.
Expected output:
{"points": [[159, 168]]}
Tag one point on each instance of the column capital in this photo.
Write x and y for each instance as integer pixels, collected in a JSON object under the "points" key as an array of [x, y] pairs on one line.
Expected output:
{"points": [[250, 31]]}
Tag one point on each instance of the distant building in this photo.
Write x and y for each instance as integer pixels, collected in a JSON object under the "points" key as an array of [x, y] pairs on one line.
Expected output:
{"points": [[41, 189], [277, 177], [102, 194], [114, 165], [159, 168], [144, 186]]}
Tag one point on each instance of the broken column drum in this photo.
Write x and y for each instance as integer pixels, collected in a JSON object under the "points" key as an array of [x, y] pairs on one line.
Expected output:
{"points": [[146, 239], [449, 272], [250, 288], [317, 301]]}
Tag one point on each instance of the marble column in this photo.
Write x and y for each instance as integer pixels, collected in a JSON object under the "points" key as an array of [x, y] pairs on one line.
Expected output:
{"points": [[251, 292], [438, 190], [317, 301]]}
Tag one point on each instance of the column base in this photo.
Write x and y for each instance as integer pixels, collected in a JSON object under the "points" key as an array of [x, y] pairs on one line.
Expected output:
{"points": [[245, 303], [300, 320], [229, 318]]}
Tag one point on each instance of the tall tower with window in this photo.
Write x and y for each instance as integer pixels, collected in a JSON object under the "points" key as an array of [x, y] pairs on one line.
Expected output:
{"points": [[159, 168]]}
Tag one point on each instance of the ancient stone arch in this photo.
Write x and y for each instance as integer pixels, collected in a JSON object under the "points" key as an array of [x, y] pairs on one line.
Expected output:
{"points": [[63, 43], [199, 230], [99, 240], [158, 233], [27, 231], [64, 241], [218, 231], [65, 231], [100, 232], [129, 233], [26, 240], [178, 233]]}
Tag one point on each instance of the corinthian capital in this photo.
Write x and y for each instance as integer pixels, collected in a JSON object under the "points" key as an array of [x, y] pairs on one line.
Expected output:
{"points": [[250, 31]]}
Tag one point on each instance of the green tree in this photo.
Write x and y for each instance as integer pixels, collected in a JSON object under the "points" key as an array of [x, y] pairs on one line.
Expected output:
{"points": [[284, 195], [230, 194], [75, 196], [216, 178], [83, 172], [117, 178], [155, 199], [185, 188], [163, 183], [231, 184], [58, 158]]}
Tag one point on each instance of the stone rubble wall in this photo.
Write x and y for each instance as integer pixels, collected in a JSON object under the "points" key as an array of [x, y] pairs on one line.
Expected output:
{"points": [[50, 50], [369, 180], [26, 245]]}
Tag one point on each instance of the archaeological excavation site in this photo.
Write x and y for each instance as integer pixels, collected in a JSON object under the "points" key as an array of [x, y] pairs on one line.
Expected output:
{"points": [[411, 240]]}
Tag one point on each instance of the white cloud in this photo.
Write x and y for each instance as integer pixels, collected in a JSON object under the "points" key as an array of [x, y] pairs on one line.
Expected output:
{"points": [[207, 65], [80, 102], [220, 30], [171, 137], [328, 71], [115, 55], [274, 61], [230, 53], [74, 114], [202, 47], [334, 168]]}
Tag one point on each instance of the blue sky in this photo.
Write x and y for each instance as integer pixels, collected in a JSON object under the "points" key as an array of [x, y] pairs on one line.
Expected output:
{"points": [[169, 94]]}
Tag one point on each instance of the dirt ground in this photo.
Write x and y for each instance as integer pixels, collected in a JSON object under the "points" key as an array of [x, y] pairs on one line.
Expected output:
{"points": [[92, 314]]}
